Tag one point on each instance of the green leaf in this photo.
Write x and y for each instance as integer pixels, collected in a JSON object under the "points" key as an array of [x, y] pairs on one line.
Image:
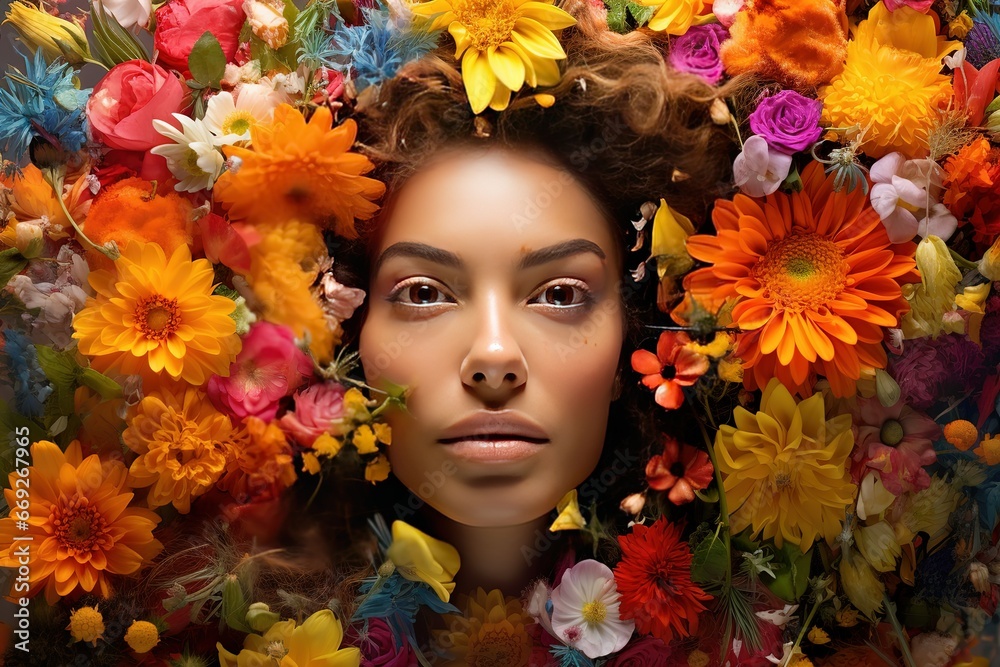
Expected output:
{"points": [[709, 562], [100, 383], [791, 569], [616, 15], [12, 262], [115, 44], [640, 13], [60, 368], [207, 62]]}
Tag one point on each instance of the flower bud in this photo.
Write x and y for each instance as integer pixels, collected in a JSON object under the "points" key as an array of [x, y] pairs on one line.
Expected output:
{"points": [[266, 19], [886, 388], [634, 503], [989, 265], [260, 618], [719, 111], [234, 604], [54, 36], [979, 575]]}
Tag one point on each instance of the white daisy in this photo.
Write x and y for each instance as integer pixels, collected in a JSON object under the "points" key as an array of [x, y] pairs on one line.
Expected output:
{"points": [[585, 610], [231, 119], [193, 157]]}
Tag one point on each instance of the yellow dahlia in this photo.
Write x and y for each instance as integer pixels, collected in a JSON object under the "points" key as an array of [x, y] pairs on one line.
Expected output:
{"points": [[675, 17], [814, 280], [892, 86], [183, 445], [491, 632], [80, 530], [157, 317], [502, 44], [785, 469], [283, 266], [300, 170]]}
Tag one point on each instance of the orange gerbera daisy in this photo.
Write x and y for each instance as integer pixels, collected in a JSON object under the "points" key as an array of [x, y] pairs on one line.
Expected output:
{"points": [[814, 279], [184, 446], [300, 170], [157, 317], [80, 530]]}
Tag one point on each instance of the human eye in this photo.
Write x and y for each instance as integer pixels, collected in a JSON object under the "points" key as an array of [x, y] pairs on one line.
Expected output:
{"points": [[565, 294], [417, 293]]}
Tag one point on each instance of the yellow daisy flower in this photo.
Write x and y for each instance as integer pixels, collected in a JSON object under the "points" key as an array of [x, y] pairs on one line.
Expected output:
{"points": [[157, 317], [317, 641], [502, 44]]}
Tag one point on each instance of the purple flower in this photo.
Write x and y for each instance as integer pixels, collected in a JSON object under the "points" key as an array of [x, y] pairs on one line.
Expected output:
{"points": [[378, 646], [697, 52], [789, 121]]}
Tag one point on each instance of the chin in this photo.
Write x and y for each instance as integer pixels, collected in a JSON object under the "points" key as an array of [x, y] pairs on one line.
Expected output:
{"points": [[492, 507]]}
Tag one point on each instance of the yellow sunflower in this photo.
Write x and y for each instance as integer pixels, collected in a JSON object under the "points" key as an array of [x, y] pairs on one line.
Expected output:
{"points": [[785, 469], [300, 170], [891, 86], [184, 446], [505, 44], [157, 317], [80, 529]]}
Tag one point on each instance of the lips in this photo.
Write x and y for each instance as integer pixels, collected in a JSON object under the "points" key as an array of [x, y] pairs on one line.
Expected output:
{"points": [[494, 437]]}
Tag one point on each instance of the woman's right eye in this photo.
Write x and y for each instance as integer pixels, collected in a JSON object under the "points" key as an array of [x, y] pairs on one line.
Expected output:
{"points": [[417, 292]]}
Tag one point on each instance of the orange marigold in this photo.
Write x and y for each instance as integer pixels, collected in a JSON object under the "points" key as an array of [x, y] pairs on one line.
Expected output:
{"points": [[302, 170], [183, 444], [134, 210], [261, 466], [814, 280], [799, 44], [973, 188], [81, 530], [156, 317]]}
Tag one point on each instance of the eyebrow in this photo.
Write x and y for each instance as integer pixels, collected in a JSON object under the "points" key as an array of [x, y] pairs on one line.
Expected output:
{"points": [[528, 260]]}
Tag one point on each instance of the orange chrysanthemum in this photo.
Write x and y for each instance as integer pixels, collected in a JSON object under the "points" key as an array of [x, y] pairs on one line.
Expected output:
{"points": [[184, 446], [814, 279], [158, 318], [261, 466], [80, 530], [492, 631], [799, 44], [134, 210], [300, 170], [973, 188], [33, 200]]}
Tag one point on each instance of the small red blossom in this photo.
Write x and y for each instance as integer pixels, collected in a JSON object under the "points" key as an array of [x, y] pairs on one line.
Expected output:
{"points": [[673, 367], [681, 469]]}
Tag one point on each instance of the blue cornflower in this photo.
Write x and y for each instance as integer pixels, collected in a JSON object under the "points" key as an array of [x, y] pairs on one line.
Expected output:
{"points": [[372, 52], [983, 41], [570, 657], [31, 386], [41, 101]]}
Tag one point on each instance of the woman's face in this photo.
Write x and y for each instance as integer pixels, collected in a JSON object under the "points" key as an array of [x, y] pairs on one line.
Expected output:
{"points": [[495, 298]]}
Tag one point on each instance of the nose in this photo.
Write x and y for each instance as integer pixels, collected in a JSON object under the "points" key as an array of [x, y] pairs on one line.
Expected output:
{"points": [[494, 364]]}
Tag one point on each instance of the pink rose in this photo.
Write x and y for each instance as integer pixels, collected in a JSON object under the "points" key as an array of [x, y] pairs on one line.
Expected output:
{"points": [[920, 5], [269, 367], [128, 99], [645, 651], [181, 23], [317, 409], [378, 648]]}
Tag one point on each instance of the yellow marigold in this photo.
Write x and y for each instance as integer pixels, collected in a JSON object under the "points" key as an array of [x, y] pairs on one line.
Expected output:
{"points": [[261, 466], [892, 86], [502, 44], [82, 531], [33, 201], [315, 642], [157, 317], [86, 624], [785, 469], [283, 266], [300, 170], [491, 631], [961, 433], [142, 636], [182, 443]]}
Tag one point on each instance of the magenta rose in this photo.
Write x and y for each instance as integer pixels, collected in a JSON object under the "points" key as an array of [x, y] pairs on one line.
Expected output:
{"points": [[789, 121], [697, 52], [317, 409], [378, 648], [128, 99], [269, 367], [181, 23], [642, 652], [920, 5]]}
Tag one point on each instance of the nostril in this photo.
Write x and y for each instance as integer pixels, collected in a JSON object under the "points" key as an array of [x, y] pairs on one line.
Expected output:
{"points": [[479, 377], [510, 376]]}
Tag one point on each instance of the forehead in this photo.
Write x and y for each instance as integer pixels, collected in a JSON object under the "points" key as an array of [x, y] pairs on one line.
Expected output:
{"points": [[495, 203]]}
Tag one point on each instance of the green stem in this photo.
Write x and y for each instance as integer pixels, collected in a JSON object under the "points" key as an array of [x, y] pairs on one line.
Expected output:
{"points": [[723, 503], [904, 642], [76, 227], [961, 261], [805, 626], [96, 62]]}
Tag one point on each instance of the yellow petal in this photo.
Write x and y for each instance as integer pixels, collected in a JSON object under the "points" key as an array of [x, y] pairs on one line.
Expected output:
{"points": [[537, 39], [569, 514], [507, 66], [364, 440], [420, 557], [549, 16], [480, 82]]}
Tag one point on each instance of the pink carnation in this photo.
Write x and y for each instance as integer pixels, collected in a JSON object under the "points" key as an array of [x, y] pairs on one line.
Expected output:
{"points": [[897, 441], [317, 410], [920, 5], [269, 367]]}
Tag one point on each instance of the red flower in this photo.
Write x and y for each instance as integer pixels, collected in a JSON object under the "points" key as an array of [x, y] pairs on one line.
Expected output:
{"points": [[654, 580], [681, 468], [672, 367]]}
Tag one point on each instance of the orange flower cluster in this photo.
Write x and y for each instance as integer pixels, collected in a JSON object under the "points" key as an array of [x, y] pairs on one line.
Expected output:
{"points": [[973, 188], [799, 44]]}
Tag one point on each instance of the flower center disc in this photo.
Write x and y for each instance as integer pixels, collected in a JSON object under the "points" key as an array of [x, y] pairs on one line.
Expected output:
{"points": [[490, 23], [594, 612], [157, 317], [802, 272]]}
